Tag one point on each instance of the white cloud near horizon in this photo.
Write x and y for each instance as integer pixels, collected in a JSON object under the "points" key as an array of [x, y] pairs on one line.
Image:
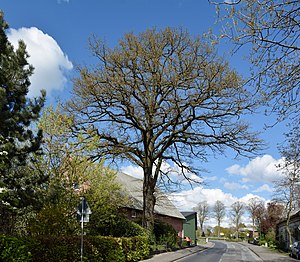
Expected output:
{"points": [[50, 63], [188, 199], [264, 188], [260, 169]]}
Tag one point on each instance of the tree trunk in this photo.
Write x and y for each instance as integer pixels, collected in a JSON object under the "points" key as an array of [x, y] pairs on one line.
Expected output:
{"points": [[288, 227], [253, 225], [201, 229], [148, 200]]}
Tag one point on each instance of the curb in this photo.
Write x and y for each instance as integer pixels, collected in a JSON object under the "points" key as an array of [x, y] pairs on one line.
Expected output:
{"points": [[203, 248], [255, 253], [252, 250]]}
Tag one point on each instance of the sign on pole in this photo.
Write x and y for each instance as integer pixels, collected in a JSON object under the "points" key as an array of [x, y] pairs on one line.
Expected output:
{"points": [[83, 211], [83, 215]]}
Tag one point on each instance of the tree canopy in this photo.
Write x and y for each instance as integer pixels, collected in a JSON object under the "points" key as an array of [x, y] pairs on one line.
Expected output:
{"points": [[157, 97]]}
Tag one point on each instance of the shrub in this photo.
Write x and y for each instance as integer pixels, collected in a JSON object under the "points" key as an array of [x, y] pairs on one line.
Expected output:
{"points": [[14, 249], [271, 237], [53, 220], [127, 228], [135, 248], [165, 234], [96, 248], [63, 249]]}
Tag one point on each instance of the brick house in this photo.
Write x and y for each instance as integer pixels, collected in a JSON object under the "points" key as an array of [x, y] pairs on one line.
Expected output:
{"points": [[164, 209]]}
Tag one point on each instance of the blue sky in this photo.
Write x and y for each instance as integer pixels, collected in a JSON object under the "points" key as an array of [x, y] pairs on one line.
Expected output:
{"points": [[56, 33]]}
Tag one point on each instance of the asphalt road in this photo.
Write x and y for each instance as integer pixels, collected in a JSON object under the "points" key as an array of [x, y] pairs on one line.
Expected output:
{"points": [[223, 252]]}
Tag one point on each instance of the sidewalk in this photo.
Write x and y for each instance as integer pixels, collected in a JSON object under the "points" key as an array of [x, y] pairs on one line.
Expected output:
{"points": [[173, 256], [267, 254]]}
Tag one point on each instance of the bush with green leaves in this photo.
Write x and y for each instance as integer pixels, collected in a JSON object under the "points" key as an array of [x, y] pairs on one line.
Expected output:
{"points": [[54, 219], [165, 234], [271, 237], [135, 248], [55, 248], [13, 249]]}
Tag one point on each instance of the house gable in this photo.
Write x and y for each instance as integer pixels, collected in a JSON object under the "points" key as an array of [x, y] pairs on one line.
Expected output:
{"points": [[164, 209]]}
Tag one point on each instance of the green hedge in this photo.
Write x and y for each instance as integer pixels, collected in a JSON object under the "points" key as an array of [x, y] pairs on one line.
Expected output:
{"points": [[65, 249], [135, 248], [14, 249]]}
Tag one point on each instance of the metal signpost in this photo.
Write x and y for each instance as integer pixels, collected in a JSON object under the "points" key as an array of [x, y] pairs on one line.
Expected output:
{"points": [[83, 215]]}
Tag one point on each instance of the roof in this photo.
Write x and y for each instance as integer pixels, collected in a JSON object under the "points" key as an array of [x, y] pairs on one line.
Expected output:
{"points": [[188, 213], [294, 213], [134, 189]]}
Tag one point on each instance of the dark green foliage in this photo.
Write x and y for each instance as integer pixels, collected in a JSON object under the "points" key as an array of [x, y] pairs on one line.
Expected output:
{"points": [[54, 220], [18, 142], [118, 226], [165, 234], [135, 248], [14, 249], [55, 248]]}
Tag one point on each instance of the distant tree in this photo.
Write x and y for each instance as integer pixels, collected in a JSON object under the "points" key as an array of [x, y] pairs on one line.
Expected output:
{"points": [[273, 215], [236, 212], [161, 96], [202, 210], [271, 28], [219, 212], [18, 141], [253, 207]]}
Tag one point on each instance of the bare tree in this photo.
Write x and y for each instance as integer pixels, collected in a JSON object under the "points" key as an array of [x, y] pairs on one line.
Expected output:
{"points": [[272, 29], [254, 207], [287, 188], [219, 211], [202, 210], [160, 97], [236, 212]]}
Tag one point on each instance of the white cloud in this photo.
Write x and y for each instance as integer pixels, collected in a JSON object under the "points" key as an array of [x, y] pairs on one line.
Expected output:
{"points": [[49, 61], [134, 171], [174, 173], [245, 199], [260, 169], [188, 199], [235, 186], [63, 1], [210, 178], [264, 188]]}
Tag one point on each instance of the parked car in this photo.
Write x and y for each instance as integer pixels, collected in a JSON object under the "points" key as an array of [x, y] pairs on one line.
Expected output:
{"points": [[295, 250], [253, 241]]}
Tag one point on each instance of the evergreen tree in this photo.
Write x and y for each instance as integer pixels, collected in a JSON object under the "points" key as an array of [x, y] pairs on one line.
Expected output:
{"points": [[18, 141]]}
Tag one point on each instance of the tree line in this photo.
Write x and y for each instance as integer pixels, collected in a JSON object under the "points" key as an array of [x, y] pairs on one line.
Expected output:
{"points": [[263, 216]]}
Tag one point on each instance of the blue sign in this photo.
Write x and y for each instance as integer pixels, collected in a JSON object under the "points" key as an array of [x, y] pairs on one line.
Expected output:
{"points": [[83, 211]]}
